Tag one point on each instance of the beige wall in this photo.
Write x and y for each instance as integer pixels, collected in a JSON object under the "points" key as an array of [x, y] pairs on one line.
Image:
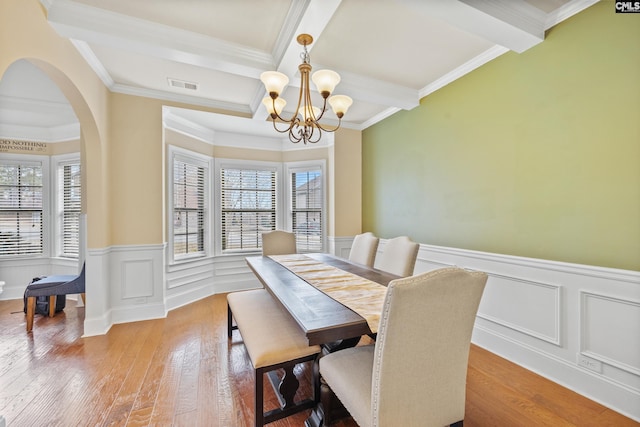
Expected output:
{"points": [[25, 34], [346, 176], [137, 160]]}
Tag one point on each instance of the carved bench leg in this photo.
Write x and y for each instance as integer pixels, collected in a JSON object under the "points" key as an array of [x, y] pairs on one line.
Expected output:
{"points": [[288, 386]]}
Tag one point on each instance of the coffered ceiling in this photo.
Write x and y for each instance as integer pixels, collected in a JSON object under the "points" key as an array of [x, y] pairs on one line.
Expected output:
{"points": [[389, 53]]}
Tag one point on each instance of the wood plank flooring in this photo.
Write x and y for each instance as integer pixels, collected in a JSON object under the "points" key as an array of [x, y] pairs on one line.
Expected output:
{"points": [[182, 371]]}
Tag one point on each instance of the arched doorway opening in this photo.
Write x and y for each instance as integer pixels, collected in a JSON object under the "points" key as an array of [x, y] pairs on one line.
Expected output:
{"points": [[45, 117]]}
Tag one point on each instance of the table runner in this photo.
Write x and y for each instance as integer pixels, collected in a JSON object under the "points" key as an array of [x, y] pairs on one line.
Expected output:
{"points": [[361, 295]]}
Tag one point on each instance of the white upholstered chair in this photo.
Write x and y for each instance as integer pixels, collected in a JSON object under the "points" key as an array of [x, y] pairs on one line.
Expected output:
{"points": [[363, 249], [278, 242], [398, 256], [275, 242], [415, 373]]}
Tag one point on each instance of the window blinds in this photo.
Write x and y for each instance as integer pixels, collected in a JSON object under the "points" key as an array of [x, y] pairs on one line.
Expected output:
{"points": [[71, 203], [188, 208], [20, 209], [248, 199], [306, 209]]}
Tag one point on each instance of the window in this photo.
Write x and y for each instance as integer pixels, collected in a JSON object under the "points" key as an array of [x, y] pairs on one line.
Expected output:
{"points": [[189, 220], [21, 208], [70, 203], [248, 206], [307, 201]]}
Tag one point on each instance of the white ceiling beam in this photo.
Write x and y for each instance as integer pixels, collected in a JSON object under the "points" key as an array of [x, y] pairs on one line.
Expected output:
{"points": [[117, 31], [513, 24], [315, 19]]}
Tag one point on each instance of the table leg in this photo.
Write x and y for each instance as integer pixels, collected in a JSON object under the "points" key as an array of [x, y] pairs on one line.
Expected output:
{"points": [[329, 407]]}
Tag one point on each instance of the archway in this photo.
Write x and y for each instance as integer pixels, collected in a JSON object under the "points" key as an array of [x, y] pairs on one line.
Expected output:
{"points": [[88, 141]]}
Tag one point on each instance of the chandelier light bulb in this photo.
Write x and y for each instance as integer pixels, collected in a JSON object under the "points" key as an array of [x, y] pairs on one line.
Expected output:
{"points": [[340, 104], [304, 112], [270, 103], [274, 82], [325, 81]]}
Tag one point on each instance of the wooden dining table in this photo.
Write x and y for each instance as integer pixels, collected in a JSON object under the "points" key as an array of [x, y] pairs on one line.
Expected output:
{"points": [[323, 319]]}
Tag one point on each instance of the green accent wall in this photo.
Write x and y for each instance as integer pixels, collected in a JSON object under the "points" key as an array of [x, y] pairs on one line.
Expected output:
{"points": [[534, 154]]}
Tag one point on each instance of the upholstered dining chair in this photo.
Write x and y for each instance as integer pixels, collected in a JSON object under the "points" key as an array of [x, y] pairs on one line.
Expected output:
{"points": [[275, 242], [52, 286], [398, 256], [278, 242], [415, 373], [363, 249]]}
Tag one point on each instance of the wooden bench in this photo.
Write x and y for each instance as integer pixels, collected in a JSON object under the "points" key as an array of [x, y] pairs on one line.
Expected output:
{"points": [[273, 341]]}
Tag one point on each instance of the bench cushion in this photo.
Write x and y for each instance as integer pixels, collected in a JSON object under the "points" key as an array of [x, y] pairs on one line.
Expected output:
{"points": [[270, 334]]}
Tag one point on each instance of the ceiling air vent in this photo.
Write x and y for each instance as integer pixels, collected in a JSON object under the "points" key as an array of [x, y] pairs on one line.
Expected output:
{"points": [[182, 84]]}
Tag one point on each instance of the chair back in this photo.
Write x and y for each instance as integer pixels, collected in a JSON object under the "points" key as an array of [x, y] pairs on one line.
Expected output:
{"points": [[422, 348], [363, 249], [278, 243], [398, 256]]}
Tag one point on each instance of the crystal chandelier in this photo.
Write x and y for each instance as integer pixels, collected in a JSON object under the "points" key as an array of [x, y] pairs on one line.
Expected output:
{"points": [[304, 125]]}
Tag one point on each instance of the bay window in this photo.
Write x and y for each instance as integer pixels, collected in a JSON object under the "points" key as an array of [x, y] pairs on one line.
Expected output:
{"points": [[188, 230], [247, 205], [306, 192], [21, 208], [69, 207]]}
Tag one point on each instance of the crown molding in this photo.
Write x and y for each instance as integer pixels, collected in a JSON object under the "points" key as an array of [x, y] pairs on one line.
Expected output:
{"points": [[69, 132], [96, 65], [567, 11], [36, 106], [187, 127], [184, 99], [379, 117], [465, 68]]}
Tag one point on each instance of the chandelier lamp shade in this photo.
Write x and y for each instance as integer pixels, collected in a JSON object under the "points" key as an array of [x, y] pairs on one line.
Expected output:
{"points": [[304, 126]]}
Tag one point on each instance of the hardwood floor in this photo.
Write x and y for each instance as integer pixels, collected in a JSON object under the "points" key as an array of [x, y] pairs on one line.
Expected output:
{"points": [[182, 371]]}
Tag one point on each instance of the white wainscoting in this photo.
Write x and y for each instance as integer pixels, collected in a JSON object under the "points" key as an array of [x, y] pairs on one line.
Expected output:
{"points": [[574, 324], [124, 284], [340, 246], [132, 283], [17, 273], [193, 280], [577, 325]]}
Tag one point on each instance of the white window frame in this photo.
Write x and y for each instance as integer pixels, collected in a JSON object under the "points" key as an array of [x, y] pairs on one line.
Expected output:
{"points": [[57, 203], [249, 165], [304, 166], [43, 162], [200, 160]]}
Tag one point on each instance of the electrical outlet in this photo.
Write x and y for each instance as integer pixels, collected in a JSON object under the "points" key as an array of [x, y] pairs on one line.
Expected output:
{"points": [[589, 363]]}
